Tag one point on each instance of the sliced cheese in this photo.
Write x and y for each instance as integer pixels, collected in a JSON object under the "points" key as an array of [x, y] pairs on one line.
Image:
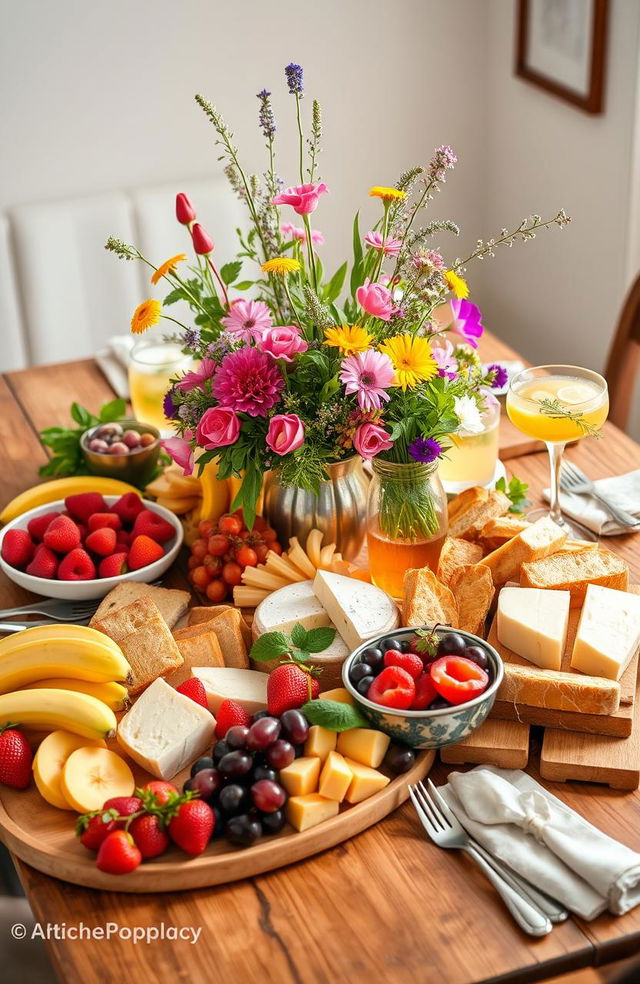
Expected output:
{"points": [[298, 557], [165, 731], [358, 610], [301, 777], [247, 687], [260, 577], [320, 742], [282, 567], [608, 633], [307, 811], [335, 777], [533, 623], [282, 609], [365, 782], [365, 745]]}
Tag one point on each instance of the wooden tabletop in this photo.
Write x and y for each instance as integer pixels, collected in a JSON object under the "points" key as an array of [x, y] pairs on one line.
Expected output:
{"points": [[386, 906]]}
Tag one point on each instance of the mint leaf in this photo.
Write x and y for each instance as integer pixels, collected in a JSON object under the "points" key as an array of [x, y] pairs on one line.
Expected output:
{"points": [[270, 646], [318, 639], [299, 636], [300, 656], [333, 715], [82, 416], [516, 491], [114, 410]]}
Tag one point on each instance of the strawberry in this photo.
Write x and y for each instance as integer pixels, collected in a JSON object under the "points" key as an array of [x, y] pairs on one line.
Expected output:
{"points": [[125, 806], [17, 548], [194, 689], [44, 563], [192, 826], [123, 538], [84, 504], [76, 566], [113, 566], [39, 524], [100, 521], [149, 523], [127, 507], [425, 692], [149, 835], [15, 758], [103, 542], [117, 854], [407, 661], [161, 791], [93, 830], [62, 535], [229, 714], [144, 551], [289, 686]]}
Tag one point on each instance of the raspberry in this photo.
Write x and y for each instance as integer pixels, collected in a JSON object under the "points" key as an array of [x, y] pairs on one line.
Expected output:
{"points": [[17, 548], [101, 520], [229, 714], [85, 504], [44, 563], [149, 523], [102, 542], [127, 507], [113, 566], [407, 661], [144, 551], [39, 524], [76, 566], [62, 535], [194, 689]]}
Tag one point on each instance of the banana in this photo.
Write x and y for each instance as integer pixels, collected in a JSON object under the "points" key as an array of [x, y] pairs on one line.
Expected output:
{"points": [[49, 710], [59, 488], [216, 493], [55, 651], [114, 695]]}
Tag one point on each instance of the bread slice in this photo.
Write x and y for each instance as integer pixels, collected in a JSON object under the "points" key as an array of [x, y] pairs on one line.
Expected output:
{"points": [[426, 600], [142, 634], [456, 552], [466, 501], [198, 650], [472, 588], [495, 532], [540, 539], [204, 613], [557, 690], [227, 626], [574, 571], [171, 603], [480, 506]]}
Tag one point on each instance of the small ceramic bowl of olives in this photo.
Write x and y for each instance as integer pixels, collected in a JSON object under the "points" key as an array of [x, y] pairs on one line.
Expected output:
{"points": [[124, 449]]}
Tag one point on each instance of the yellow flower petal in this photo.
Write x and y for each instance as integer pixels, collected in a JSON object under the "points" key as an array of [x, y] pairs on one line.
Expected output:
{"points": [[145, 315], [167, 267], [388, 194], [456, 284], [411, 359], [281, 265], [348, 338]]}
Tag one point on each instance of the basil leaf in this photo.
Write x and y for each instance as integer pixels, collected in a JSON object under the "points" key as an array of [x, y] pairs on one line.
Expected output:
{"points": [[270, 646], [318, 639], [114, 410], [333, 715], [81, 415], [299, 636]]}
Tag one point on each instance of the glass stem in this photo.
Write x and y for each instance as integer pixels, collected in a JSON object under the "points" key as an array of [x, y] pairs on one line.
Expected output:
{"points": [[556, 450]]}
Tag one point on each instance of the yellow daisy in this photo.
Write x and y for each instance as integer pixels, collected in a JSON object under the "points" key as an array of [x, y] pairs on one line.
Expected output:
{"points": [[388, 194], [348, 338], [411, 358], [145, 315], [281, 265], [167, 267], [456, 284]]}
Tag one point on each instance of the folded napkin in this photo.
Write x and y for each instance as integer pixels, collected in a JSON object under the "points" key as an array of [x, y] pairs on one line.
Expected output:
{"points": [[624, 493], [113, 359], [550, 845]]}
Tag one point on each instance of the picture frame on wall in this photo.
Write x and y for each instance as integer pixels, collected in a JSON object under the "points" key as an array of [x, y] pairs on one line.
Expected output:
{"points": [[561, 48]]}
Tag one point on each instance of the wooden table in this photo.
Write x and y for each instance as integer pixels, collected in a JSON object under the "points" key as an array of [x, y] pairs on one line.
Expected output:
{"points": [[386, 906]]}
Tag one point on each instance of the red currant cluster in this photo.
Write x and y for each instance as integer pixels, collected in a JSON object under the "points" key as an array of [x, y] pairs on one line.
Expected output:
{"points": [[223, 550]]}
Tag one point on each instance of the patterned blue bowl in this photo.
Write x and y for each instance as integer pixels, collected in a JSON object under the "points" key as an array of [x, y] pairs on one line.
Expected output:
{"points": [[428, 729]]}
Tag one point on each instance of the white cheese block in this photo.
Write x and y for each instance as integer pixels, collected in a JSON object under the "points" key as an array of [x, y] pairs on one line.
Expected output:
{"points": [[247, 687], [608, 632], [282, 609], [165, 731], [358, 610], [533, 622]]}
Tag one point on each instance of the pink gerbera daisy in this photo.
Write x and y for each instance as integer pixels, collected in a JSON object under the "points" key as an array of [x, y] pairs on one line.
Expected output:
{"points": [[248, 381], [247, 320], [388, 246], [368, 374], [290, 231], [196, 379]]}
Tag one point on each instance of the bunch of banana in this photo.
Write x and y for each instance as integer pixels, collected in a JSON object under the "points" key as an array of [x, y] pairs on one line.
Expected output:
{"points": [[61, 676], [60, 488], [202, 497]]}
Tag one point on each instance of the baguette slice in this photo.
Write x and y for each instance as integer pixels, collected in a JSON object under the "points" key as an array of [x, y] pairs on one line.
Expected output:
{"points": [[540, 539], [472, 588], [574, 571], [426, 600], [456, 552], [558, 691], [495, 532], [469, 521]]}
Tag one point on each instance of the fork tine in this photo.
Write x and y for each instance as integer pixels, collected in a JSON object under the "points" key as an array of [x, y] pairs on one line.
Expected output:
{"points": [[444, 806], [422, 816], [441, 816], [429, 808]]}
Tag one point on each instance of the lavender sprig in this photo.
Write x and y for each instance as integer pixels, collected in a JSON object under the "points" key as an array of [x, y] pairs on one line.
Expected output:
{"points": [[293, 75], [266, 118]]}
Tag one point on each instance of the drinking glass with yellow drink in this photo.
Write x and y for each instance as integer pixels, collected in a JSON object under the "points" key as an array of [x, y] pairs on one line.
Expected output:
{"points": [[557, 404], [153, 363], [473, 455]]}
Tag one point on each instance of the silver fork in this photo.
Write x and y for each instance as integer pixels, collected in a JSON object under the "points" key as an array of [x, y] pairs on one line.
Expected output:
{"points": [[20, 626], [59, 611], [446, 835], [574, 480]]}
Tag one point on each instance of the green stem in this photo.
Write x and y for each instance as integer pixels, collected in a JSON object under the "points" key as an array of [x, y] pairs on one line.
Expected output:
{"points": [[301, 138], [219, 279], [312, 259]]}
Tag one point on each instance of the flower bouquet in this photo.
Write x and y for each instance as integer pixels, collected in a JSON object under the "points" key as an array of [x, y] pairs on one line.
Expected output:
{"points": [[296, 369]]}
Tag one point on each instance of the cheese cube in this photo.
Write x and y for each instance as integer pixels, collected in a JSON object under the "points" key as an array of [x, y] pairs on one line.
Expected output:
{"points": [[533, 623], [320, 742], [340, 695], [335, 778], [306, 811], [301, 777], [608, 633], [365, 782], [358, 610], [365, 745]]}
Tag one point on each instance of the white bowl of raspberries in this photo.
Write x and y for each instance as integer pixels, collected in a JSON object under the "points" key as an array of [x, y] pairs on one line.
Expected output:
{"points": [[82, 546]]}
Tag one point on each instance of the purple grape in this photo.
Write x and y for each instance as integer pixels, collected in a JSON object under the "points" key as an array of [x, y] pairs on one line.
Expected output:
{"points": [[268, 796], [399, 758], [281, 754], [235, 764], [206, 762], [131, 438], [263, 734], [295, 726], [98, 446], [263, 772], [477, 655], [272, 823], [243, 830], [207, 782], [236, 737], [233, 799], [219, 749], [358, 671], [451, 644], [118, 448], [438, 704], [362, 686]]}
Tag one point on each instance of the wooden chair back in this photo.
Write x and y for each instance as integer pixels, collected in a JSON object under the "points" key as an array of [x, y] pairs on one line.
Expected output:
{"points": [[624, 358]]}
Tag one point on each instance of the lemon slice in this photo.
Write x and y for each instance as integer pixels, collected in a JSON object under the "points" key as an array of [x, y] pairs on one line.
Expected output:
{"points": [[574, 393], [539, 395]]}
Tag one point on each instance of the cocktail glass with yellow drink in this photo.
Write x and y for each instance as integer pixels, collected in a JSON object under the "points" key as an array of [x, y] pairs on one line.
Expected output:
{"points": [[153, 363], [557, 404]]}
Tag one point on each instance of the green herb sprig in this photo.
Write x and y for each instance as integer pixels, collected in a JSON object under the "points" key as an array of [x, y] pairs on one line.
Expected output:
{"points": [[554, 409], [65, 441], [516, 491], [296, 648]]}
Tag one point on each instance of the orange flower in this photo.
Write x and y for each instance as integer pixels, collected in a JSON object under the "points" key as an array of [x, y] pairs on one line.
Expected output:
{"points": [[167, 267], [145, 315]]}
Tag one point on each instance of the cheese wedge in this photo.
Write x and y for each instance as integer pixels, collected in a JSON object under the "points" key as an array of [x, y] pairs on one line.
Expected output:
{"points": [[358, 610], [307, 811], [165, 731], [340, 694], [320, 742], [608, 632], [365, 745], [247, 687], [282, 609], [301, 777], [335, 777], [365, 782], [533, 623]]}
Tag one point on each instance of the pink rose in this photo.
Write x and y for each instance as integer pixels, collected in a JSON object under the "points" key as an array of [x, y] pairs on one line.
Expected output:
{"points": [[302, 198], [180, 451], [375, 300], [218, 427], [283, 342], [286, 433], [370, 439]]}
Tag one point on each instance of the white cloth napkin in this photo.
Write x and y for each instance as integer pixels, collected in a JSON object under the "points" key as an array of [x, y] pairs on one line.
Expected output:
{"points": [[113, 360], [546, 842], [622, 490]]}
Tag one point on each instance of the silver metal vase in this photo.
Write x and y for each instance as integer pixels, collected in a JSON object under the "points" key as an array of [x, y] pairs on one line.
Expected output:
{"points": [[339, 510]]}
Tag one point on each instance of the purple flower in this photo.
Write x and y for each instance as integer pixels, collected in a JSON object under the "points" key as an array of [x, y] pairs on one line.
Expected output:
{"points": [[168, 406], [293, 73], [501, 377], [192, 338], [425, 449], [265, 116], [443, 352], [443, 158], [467, 321]]}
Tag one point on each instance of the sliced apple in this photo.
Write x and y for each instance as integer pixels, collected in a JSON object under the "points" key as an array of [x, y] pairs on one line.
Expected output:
{"points": [[92, 775], [49, 762]]}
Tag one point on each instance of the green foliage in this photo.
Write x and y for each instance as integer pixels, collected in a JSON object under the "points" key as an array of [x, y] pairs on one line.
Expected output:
{"points": [[65, 441], [333, 715], [516, 491]]}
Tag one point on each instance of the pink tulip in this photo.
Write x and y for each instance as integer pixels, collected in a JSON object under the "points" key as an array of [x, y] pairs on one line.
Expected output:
{"points": [[286, 433], [370, 439], [180, 451], [375, 300], [202, 241], [283, 342], [302, 198], [185, 212], [218, 427]]}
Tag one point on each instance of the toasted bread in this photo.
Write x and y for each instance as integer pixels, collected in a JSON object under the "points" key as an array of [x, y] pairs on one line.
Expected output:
{"points": [[495, 532], [204, 613], [227, 627], [455, 553], [466, 501], [426, 600], [472, 588], [480, 506], [172, 604], [202, 649], [574, 571], [538, 540], [556, 689], [142, 634]]}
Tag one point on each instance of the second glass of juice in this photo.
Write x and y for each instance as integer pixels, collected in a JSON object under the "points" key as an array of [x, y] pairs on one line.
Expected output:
{"points": [[153, 363]]}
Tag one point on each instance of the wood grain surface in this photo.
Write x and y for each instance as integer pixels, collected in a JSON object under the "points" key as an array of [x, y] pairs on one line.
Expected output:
{"points": [[501, 743]]}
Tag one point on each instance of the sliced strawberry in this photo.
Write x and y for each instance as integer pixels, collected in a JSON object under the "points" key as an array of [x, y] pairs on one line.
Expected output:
{"points": [[62, 535], [38, 525], [84, 504], [150, 524], [101, 541], [144, 551], [76, 566], [229, 715], [394, 687], [17, 548]]}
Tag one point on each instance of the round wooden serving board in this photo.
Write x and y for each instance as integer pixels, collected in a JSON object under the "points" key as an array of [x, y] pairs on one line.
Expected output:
{"points": [[44, 837]]}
